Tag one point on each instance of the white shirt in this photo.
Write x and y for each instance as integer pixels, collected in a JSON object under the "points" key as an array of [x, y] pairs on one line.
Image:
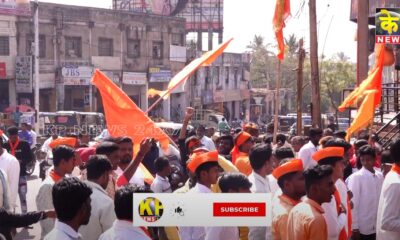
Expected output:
{"points": [[136, 179], [259, 185], [273, 183], [222, 233], [10, 166], [102, 214], [44, 201], [208, 143], [366, 188], [161, 185], [334, 223], [305, 154], [62, 231], [45, 147], [124, 230], [194, 233], [34, 138], [388, 219]]}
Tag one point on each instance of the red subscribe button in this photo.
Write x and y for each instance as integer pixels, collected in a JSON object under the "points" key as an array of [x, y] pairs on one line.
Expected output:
{"points": [[255, 209]]}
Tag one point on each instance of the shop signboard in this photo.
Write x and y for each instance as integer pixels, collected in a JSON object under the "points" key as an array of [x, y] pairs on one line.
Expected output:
{"points": [[15, 7], [159, 75], [23, 74], [134, 78], [77, 75]]}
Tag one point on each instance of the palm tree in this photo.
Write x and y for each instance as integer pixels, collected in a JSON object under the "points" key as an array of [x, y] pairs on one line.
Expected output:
{"points": [[292, 44]]}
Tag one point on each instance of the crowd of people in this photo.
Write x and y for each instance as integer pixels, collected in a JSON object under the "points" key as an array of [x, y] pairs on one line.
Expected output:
{"points": [[322, 186]]}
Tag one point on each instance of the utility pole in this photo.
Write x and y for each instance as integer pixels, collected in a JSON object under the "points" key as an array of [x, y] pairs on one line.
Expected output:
{"points": [[37, 104], [362, 40], [302, 55], [315, 92]]}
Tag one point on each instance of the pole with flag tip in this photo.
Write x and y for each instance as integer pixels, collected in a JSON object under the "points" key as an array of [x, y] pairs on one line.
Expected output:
{"points": [[37, 104], [277, 100]]}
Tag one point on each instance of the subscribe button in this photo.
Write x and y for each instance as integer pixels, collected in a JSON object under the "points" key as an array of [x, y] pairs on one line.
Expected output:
{"points": [[225, 209]]}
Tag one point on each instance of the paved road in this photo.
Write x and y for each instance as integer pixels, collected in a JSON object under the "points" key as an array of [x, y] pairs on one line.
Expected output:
{"points": [[34, 183]]}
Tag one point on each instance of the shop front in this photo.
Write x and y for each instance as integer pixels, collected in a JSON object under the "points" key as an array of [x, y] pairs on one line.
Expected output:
{"points": [[134, 84], [78, 90]]}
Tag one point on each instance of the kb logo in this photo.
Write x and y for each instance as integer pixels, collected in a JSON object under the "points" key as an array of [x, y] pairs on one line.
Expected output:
{"points": [[151, 209]]}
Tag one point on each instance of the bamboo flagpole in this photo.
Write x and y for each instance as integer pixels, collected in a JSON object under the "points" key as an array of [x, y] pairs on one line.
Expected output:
{"points": [[277, 100]]}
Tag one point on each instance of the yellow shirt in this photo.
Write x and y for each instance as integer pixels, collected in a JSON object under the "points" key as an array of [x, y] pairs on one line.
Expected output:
{"points": [[243, 164], [280, 214], [306, 222]]}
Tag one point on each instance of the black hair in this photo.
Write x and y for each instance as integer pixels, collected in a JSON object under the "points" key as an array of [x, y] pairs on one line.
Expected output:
{"points": [[201, 127], [237, 130], [386, 157], [364, 135], [281, 137], [268, 139], [366, 150], [123, 140], [62, 152], [106, 148], [338, 142], [283, 152], [97, 165], [25, 124], [233, 181], [286, 177], [259, 154], [205, 167], [69, 195], [123, 201], [395, 151], [315, 174], [331, 161], [314, 132], [189, 139], [161, 163], [226, 137], [12, 131], [110, 139], [359, 143], [340, 134]]}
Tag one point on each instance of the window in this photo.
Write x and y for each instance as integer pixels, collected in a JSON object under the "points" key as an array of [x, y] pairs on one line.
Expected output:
{"points": [[30, 48], [73, 47], [235, 76], [177, 39], [133, 48], [157, 50], [207, 76], [106, 47], [226, 75], [4, 46], [216, 74]]}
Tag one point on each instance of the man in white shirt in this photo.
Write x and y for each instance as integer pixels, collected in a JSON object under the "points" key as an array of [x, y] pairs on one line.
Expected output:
{"points": [[306, 152], [229, 183], [206, 169], [71, 199], [10, 166], [102, 213], [206, 141], [161, 183], [33, 134], [45, 147], [366, 187], [260, 161], [122, 228], [388, 219]]}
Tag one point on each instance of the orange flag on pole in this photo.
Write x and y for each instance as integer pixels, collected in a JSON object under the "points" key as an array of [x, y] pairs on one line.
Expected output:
{"points": [[205, 60], [365, 113], [282, 12], [373, 82]]}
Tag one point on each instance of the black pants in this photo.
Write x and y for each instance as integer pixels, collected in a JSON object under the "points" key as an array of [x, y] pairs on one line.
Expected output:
{"points": [[368, 237]]}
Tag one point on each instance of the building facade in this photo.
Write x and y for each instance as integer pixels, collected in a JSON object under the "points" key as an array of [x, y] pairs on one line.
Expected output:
{"points": [[224, 86], [137, 51]]}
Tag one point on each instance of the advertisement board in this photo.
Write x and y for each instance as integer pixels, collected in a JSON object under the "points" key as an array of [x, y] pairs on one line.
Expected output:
{"points": [[77, 75], [23, 74], [134, 78], [159, 75], [15, 7]]}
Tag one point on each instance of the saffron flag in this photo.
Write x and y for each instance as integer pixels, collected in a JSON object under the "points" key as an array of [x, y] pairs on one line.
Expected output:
{"points": [[282, 12], [373, 82], [205, 60], [365, 113]]}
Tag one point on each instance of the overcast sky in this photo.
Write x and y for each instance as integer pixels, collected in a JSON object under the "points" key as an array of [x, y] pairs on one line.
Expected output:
{"points": [[244, 19]]}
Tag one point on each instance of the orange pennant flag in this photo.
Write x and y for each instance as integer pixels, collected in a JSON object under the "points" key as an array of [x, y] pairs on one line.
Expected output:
{"points": [[282, 12], [67, 141], [364, 115], [373, 82], [123, 117], [205, 60]]}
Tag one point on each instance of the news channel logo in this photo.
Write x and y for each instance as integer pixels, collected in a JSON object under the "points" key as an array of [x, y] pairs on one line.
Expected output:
{"points": [[387, 21], [151, 209]]}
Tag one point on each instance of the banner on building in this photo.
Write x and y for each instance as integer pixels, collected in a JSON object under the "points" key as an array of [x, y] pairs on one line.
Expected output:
{"points": [[3, 72], [177, 53], [134, 78], [77, 75], [15, 7], [23, 74], [159, 75]]}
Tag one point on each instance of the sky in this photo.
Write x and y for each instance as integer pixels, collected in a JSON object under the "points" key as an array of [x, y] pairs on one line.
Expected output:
{"points": [[245, 19]]}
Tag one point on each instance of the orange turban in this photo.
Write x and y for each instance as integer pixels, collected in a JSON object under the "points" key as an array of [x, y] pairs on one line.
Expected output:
{"points": [[68, 141], [199, 158], [295, 165], [328, 152], [240, 139]]}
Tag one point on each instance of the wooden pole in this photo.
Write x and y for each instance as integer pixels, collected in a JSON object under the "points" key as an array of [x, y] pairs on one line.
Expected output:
{"points": [[277, 100], [315, 88], [362, 40], [302, 54]]}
